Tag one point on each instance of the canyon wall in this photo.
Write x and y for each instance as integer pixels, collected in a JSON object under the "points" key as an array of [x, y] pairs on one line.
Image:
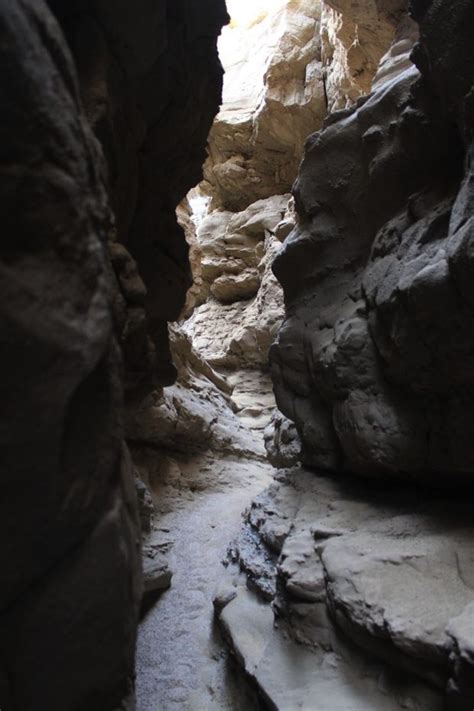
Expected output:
{"points": [[286, 66], [92, 266], [363, 543], [373, 360]]}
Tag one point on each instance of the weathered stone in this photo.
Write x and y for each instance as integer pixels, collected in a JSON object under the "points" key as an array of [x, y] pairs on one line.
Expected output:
{"points": [[156, 573], [151, 83], [273, 98], [282, 442], [290, 676], [239, 334], [393, 573], [373, 361], [69, 553], [354, 37], [194, 414], [147, 80]]}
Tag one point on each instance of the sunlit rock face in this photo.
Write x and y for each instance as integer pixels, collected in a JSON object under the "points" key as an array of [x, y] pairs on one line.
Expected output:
{"points": [[373, 361], [273, 98], [243, 302], [354, 37]]}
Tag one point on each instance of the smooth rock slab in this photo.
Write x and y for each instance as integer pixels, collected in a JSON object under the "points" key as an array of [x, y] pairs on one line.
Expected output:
{"points": [[290, 676], [392, 568]]}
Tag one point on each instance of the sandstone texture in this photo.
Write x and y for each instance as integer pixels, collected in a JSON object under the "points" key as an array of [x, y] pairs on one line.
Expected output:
{"points": [[359, 564], [273, 98], [354, 37], [194, 414], [286, 65], [243, 302], [373, 361]]}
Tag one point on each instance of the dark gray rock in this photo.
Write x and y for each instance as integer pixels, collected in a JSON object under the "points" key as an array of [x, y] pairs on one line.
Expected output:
{"points": [[374, 360], [70, 558], [69, 552], [151, 82]]}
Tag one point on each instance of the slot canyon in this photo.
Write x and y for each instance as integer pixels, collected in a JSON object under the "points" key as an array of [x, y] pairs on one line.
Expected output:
{"points": [[237, 335]]}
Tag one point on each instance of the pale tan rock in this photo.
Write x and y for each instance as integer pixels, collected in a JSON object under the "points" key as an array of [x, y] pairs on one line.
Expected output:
{"points": [[239, 335], [354, 37], [273, 98], [236, 325], [236, 287]]}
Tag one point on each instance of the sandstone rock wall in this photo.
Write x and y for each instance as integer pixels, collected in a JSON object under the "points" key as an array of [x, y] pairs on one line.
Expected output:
{"points": [[371, 582], [147, 80], [354, 37], [373, 360], [242, 304], [285, 65], [273, 98]]}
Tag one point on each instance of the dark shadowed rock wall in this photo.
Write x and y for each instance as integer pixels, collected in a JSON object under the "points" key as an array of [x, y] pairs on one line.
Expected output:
{"points": [[147, 80], [374, 360], [151, 83]]}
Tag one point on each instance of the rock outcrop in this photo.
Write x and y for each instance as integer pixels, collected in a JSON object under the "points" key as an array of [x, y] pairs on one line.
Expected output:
{"points": [[373, 360], [147, 81], [372, 591], [193, 415], [243, 303], [273, 98], [354, 37], [151, 84], [279, 70]]}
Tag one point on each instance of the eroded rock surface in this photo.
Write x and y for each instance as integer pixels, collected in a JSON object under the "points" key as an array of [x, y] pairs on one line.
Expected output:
{"points": [[93, 260], [354, 37], [151, 84], [393, 570], [194, 414], [371, 583], [273, 98], [69, 552], [373, 360], [243, 303]]}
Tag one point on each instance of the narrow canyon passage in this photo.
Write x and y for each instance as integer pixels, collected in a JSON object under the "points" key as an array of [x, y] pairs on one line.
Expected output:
{"points": [[237, 338], [181, 660]]}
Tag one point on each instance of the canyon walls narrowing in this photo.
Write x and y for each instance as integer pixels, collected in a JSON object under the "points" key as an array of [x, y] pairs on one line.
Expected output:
{"points": [[363, 543]]}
